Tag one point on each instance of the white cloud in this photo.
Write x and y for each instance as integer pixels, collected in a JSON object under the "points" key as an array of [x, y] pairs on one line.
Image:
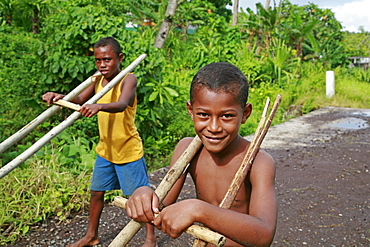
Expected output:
{"points": [[353, 15]]}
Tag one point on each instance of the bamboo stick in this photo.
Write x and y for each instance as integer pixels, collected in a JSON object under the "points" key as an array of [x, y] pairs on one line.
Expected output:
{"points": [[66, 123], [129, 231], [68, 104], [196, 231], [249, 157], [43, 116]]}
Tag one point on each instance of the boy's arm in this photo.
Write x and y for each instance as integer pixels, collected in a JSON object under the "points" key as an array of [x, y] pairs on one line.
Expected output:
{"points": [[128, 93], [86, 94], [256, 228], [51, 97], [173, 194]]}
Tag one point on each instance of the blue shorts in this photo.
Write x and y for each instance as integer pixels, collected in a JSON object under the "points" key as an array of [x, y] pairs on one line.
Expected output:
{"points": [[127, 177]]}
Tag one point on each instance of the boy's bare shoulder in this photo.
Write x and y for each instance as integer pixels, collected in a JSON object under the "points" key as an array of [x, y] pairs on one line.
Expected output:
{"points": [[264, 157], [265, 154], [130, 77], [184, 143], [181, 146], [264, 164]]}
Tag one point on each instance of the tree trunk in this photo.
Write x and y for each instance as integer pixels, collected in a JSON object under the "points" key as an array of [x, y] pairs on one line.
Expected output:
{"points": [[235, 12], [9, 20], [35, 21], [267, 4], [166, 24]]}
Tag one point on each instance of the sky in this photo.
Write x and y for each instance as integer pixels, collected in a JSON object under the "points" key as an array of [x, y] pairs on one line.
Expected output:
{"points": [[351, 13]]}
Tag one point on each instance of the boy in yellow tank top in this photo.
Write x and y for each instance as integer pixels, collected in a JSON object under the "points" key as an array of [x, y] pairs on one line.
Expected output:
{"points": [[120, 163]]}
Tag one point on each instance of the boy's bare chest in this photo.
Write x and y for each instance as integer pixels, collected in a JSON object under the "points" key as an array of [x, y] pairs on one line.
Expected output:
{"points": [[212, 183]]}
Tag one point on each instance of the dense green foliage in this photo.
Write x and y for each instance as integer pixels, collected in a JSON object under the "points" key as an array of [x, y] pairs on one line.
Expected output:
{"points": [[357, 44], [285, 49]]}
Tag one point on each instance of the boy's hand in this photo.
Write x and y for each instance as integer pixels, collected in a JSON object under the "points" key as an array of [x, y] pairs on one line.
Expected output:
{"points": [[89, 110], [51, 97], [142, 205], [176, 218]]}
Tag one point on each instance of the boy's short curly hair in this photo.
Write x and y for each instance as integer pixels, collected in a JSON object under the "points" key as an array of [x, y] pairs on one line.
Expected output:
{"points": [[224, 77], [112, 42]]}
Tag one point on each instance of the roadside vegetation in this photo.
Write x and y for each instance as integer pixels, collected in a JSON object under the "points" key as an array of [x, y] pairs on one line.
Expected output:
{"points": [[285, 49]]}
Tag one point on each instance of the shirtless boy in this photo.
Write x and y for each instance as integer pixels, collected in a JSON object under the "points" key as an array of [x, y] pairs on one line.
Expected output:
{"points": [[218, 106]]}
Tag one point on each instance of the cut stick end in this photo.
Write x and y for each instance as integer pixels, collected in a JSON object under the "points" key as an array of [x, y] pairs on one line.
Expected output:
{"points": [[68, 104]]}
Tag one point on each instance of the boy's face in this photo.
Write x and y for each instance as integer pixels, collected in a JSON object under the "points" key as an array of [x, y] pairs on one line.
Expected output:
{"points": [[107, 62], [217, 117]]}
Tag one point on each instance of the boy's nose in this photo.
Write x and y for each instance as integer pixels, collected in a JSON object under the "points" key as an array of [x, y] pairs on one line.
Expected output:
{"points": [[214, 126]]}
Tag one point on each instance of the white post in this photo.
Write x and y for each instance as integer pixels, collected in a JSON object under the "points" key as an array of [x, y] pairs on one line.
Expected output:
{"points": [[330, 84], [66, 123]]}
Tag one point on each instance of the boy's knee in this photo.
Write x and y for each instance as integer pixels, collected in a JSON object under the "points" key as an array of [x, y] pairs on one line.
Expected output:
{"points": [[97, 194]]}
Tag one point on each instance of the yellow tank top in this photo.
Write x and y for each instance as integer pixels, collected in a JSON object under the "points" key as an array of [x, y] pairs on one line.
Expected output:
{"points": [[119, 139]]}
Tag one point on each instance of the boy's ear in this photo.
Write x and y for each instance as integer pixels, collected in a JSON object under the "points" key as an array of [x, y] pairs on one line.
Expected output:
{"points": [[190, 109], [247, 112], [120, 57]]}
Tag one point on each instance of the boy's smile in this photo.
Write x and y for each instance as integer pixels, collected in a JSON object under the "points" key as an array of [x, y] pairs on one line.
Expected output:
{"points": [[217, 117], [107, 61]]}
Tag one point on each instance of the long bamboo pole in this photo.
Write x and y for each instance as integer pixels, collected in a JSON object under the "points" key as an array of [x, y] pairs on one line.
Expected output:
{"points": [[129, 231], [66, 123], [196, 231], [247, 162], [43, 116]]}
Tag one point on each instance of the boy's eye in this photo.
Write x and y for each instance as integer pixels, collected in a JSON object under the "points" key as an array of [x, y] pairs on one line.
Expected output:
{"points": [[202, 114], [104, 59], [228, 115]]}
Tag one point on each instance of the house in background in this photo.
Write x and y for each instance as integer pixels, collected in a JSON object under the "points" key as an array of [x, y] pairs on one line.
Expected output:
{"points": [[362, 62]]}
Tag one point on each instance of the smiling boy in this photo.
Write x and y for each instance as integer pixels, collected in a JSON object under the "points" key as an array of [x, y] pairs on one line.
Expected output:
{"points": [[218, 106], [120, 163]]}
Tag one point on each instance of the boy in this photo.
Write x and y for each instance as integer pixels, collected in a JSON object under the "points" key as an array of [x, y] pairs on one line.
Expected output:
{"points": [[217, 106], [120, 163]]}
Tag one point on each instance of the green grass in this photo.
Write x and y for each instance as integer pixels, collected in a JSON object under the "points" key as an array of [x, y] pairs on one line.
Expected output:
{"points": [[349, 92], [38, 189]]}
